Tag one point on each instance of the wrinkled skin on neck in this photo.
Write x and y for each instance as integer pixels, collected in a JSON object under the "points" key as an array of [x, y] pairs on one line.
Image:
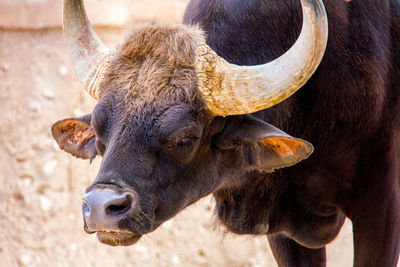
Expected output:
{"points": [[268, 204]]}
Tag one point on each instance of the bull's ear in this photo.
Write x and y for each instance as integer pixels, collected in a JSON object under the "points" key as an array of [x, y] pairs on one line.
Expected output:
{"points": [[76, 136], [265, 146]]}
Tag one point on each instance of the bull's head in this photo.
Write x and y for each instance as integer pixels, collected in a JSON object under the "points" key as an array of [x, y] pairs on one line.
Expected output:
{"points": [[163, 123]]}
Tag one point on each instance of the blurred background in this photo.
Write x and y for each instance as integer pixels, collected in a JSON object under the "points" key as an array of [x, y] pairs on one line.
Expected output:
{"points": [[41, 187]]}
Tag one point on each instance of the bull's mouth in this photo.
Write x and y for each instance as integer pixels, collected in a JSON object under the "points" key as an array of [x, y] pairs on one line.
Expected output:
{"points": [[117, 238]]}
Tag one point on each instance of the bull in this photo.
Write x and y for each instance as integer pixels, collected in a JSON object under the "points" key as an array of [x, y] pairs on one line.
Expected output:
{"points": [[190, 110]]}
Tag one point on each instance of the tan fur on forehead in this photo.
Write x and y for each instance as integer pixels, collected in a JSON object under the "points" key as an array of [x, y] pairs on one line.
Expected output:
{"points": [[174, 43], [156, 65]]}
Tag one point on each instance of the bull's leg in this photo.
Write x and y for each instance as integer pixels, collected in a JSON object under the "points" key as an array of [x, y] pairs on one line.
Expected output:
{"points": [[376, 227], [375, 207], [288, 253]]}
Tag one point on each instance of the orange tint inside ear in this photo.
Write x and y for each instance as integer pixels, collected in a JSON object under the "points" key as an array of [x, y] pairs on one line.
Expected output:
{"points": [[73, 131], [292, 149], [72, 135]]}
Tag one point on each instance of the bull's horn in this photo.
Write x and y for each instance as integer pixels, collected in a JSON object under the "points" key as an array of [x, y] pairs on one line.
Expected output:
{"points": [[231, 89], [87, 52]]}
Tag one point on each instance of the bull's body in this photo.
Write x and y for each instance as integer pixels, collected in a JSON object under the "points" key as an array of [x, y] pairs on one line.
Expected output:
{"points": [[349, 110], [168, 129]]}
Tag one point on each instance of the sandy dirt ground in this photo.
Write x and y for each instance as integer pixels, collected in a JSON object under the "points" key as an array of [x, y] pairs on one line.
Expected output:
{"points": [[41, 187]]}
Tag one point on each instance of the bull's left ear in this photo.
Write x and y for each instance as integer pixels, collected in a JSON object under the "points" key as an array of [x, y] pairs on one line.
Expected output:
{"points": [[265, 146], [76, 137]]}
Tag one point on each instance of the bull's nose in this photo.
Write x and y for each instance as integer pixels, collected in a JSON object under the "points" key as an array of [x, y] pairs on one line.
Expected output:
{"points": [[104, 207]]}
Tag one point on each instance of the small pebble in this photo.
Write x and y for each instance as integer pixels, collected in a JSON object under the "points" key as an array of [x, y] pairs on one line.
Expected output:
{"points": [[5, 67], [167, 224], [78, 113], [35, 106], [25, 259], [47, 93], [175, 260], [49, 167], [45, 203], [62, 70], [140, 248], [74, 247], [25, 182]]}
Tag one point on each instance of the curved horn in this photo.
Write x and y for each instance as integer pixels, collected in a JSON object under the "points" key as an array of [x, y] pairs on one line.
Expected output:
{"points": [[87, 52], [230, 89]]}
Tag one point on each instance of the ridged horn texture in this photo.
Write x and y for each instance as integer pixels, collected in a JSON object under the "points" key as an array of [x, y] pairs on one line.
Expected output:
{"points": [[89, 55], [230, 89]]}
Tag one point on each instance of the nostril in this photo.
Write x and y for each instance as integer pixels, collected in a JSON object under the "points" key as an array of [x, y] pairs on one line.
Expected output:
{"points": [[85, 209], [121, 206]]}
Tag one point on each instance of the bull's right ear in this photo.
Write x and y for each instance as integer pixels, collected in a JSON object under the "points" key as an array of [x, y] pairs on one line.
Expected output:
{"points": [[76, 137], [264, 146]]}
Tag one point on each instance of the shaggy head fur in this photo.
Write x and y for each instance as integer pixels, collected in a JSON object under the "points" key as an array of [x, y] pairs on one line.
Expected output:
{"points": [[154, 65]]}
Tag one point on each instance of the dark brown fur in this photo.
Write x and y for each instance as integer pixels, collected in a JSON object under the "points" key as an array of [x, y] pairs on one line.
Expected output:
{"points": [[349, 110], [158, 140]]}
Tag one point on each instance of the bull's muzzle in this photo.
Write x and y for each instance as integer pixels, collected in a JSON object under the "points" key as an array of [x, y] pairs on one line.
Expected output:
{"points": [[103, 207]]}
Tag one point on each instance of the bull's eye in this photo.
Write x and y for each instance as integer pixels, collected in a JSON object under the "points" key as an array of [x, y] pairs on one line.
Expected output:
{"points": [[185, 141]]}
